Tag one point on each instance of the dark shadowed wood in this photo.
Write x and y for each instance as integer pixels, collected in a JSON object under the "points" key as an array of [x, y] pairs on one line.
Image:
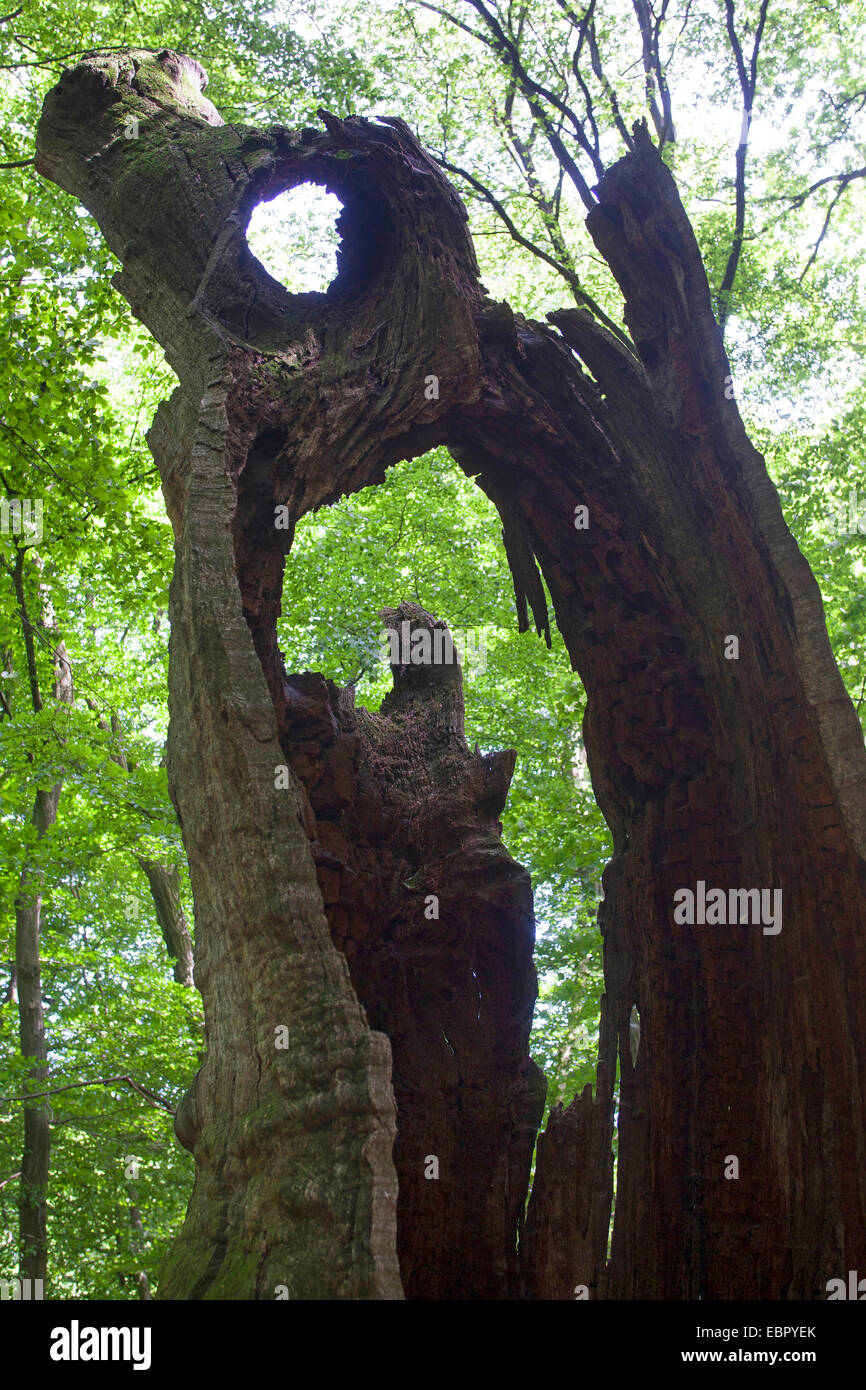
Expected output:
{"points": [[436, 922]]}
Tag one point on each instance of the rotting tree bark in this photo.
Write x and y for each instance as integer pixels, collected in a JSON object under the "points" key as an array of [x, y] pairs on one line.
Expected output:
{"points": [[741, 773], [436, 922], [295, 1184]]}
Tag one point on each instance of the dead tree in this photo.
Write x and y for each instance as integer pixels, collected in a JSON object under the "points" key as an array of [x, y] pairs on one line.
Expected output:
{"points": [[719, 771]]}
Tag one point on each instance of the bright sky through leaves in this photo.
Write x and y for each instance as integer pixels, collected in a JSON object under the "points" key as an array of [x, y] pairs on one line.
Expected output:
{"points": [[295, 237]]}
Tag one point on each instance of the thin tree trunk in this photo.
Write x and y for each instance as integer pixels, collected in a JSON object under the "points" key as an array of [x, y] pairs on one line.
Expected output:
{"points": [[36, 1156], [137, 1244], [736, 771], [164, 882]]}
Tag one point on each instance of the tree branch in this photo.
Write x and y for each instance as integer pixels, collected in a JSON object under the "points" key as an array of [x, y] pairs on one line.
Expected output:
{"points": [[650, 29], [149, 1095], [570, 276], [823, 232], [17, 572], [748, 82], [797, 200], [533, 91], [458, 23]]}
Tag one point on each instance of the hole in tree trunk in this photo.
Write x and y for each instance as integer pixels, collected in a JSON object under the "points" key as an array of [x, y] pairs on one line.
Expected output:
{"points": [[408, 549], [294, 236]]}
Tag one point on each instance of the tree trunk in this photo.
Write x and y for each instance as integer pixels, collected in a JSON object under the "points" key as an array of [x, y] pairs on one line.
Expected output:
{"points": [[436, 923], [142, 1283], [162, 879], [36, 1154], [714, 770], [164, 882]]}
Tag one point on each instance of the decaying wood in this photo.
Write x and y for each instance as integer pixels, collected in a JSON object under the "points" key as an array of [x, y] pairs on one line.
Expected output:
{"points": [[739, 773], [436, 922]]}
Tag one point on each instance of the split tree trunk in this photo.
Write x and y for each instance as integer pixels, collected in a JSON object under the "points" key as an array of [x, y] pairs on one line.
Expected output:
{"points": [[436, 922], [741, 773]]}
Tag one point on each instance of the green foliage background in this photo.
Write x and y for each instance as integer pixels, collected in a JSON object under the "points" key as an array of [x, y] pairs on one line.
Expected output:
{"points": [[81, 381]]}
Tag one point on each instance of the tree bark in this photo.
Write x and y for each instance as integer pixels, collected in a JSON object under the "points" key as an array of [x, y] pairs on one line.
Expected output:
{"points": [[743, 773], [142, 1283], [436, 922], [36, 1153]]}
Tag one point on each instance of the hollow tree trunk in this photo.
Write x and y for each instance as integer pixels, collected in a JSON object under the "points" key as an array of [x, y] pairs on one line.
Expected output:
{"points": [[743, 773]]}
